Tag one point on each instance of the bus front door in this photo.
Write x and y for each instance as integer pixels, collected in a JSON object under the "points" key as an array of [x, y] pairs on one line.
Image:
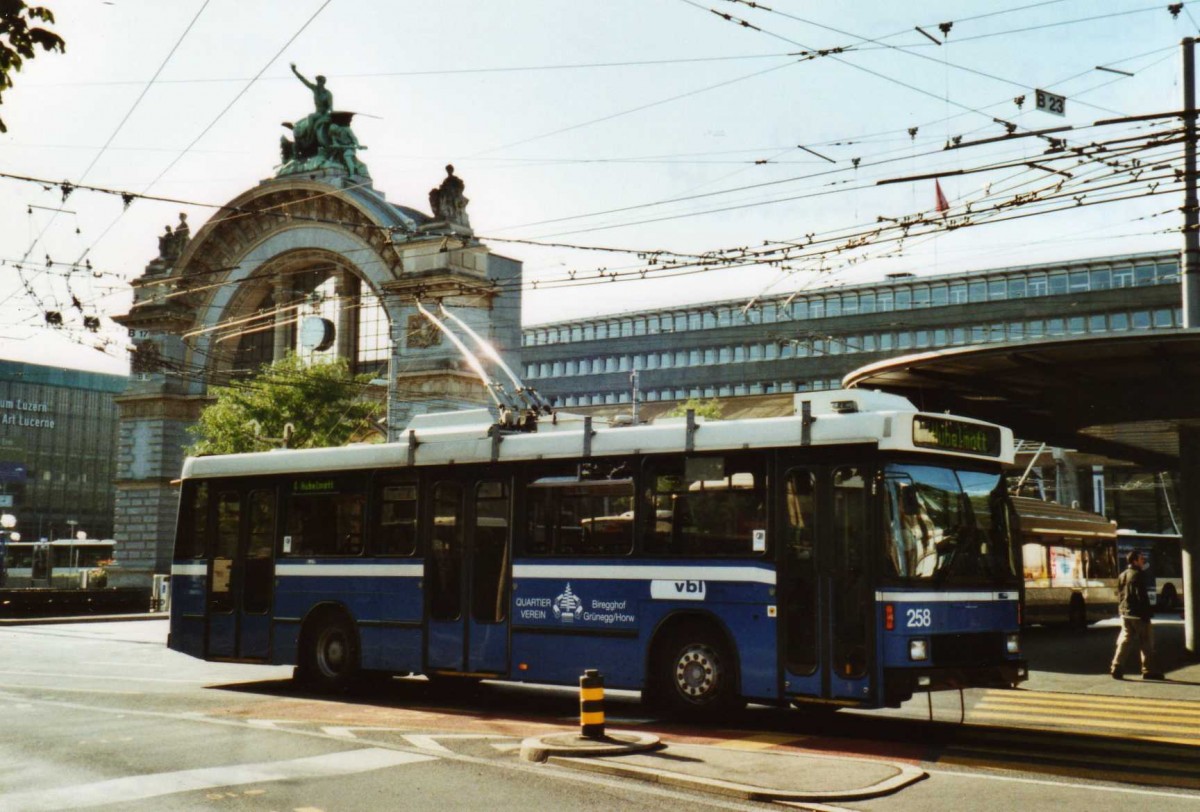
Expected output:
{"points": [[467, 577], [241, 568], [824, 584]]}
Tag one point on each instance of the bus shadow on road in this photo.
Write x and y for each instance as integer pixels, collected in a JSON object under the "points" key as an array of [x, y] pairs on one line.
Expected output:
{"points": [[440, 695]]}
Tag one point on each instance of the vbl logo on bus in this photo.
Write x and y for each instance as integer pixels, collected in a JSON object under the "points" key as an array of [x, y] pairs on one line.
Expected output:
{"points": [[686, 590]]}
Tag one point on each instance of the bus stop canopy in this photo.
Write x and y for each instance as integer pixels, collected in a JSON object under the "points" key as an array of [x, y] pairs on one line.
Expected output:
{"points": [[1133, 397], [1125, 397]]}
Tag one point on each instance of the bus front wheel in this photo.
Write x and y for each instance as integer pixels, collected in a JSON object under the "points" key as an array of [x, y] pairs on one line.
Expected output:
{"points": [[694, 674], [330, 655]]}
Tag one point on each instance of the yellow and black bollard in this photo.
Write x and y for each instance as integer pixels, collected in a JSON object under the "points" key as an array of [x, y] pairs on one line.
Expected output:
{"points": [[591, 704]]}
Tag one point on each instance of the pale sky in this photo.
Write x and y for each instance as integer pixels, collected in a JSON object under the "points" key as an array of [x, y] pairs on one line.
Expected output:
{"points": [[647, 125]]}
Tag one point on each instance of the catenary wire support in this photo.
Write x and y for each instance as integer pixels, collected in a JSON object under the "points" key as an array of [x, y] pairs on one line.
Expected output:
{"points": [[690, 443], [587, 436]]}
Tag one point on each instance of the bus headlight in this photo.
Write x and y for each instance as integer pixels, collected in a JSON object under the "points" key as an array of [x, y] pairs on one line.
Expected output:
{"points": [[1013, 643], [918, 649]]}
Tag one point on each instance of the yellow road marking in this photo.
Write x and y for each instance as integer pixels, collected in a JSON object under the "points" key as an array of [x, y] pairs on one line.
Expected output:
{"points": [[761, 741], [1064, 700], [1123, 724], [1072, 713]]}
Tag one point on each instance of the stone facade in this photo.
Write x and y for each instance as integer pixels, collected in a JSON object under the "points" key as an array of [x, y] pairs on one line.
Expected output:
{"points": [[195, 319]]}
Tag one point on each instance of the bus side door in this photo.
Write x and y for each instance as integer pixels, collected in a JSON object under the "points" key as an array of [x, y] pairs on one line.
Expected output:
{"points": [[241, 569], [824, 588], [467, 575]]}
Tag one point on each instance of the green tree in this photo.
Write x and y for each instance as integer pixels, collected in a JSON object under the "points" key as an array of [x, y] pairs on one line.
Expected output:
{"points": [[19, 40], [322, 402], [710, 409]]}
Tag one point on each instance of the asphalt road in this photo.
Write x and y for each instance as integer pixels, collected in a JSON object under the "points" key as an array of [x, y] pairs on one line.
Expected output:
{"points": [[103, 716]]}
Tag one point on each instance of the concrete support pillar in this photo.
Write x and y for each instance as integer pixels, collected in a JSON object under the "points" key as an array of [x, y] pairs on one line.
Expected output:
{"points": [[1189, 498]]}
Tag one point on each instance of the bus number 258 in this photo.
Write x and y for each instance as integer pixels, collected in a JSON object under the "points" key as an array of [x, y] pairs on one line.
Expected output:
{"points": [[918, 618]]}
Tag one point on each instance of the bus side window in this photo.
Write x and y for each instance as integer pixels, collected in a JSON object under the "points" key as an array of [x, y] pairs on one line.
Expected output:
{"points": [[588, 514], [800, 509], [489, 589], [800, 567], [852, 604], [705, 506], [396, 532], [324, 518], [192, 539]]}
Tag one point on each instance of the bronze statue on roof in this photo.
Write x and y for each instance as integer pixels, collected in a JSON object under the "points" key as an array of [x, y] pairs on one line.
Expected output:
{"points": [[322, 139]]}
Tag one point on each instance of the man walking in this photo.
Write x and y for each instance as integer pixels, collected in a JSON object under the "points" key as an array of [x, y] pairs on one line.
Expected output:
{"points": [[1135, 620]]}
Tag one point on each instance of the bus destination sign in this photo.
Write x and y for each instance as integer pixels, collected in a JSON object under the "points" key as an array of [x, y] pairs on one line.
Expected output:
{"points": [[955, 435]]}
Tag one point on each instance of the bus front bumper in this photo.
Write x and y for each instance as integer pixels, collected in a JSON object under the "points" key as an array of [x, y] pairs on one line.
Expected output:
{"points": [[901, 683]]}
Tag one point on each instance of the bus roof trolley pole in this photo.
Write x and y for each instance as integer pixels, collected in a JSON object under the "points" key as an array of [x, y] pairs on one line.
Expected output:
{"points": [[528, 394], [504, 403]]}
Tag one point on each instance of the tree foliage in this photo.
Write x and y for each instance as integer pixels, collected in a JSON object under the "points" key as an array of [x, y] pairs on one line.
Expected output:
{"points": [[710, 409], [19, 40], [289, 403]]}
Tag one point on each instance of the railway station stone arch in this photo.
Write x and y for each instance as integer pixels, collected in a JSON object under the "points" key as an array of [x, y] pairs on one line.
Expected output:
{"points": [[318, 245]]}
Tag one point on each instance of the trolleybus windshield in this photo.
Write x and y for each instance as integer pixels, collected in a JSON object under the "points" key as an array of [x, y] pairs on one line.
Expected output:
{"points": [[946, 523]]}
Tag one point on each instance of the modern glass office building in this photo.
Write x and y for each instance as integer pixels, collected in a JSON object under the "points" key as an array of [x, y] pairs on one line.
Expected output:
{"points": [[58, 449], [809, 340]]}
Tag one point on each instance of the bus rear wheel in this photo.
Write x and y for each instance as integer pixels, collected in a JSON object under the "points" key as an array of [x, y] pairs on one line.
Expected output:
{"points": [[694, 674], [330, 659]]}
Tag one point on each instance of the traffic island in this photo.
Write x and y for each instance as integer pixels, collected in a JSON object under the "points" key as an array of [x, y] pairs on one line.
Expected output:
{"points": [[749, 775], [576, 745]]}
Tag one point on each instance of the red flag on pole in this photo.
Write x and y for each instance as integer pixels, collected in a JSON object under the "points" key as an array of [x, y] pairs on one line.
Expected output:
{"points": [[942, 204]]}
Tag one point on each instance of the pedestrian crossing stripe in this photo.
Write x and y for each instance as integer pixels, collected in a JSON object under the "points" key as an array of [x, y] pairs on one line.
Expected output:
{"points": [[1085, 700], [1157, 721], [1045, 711], [1129, 728]]}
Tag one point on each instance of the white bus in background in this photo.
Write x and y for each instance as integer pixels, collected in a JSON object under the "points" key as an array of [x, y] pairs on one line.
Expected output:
{"points": [[1164, 565], [1070, 562], [63, 564]]}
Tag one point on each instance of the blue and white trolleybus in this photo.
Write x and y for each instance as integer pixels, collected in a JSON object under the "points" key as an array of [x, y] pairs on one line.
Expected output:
{"points": [[849, 555]]}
